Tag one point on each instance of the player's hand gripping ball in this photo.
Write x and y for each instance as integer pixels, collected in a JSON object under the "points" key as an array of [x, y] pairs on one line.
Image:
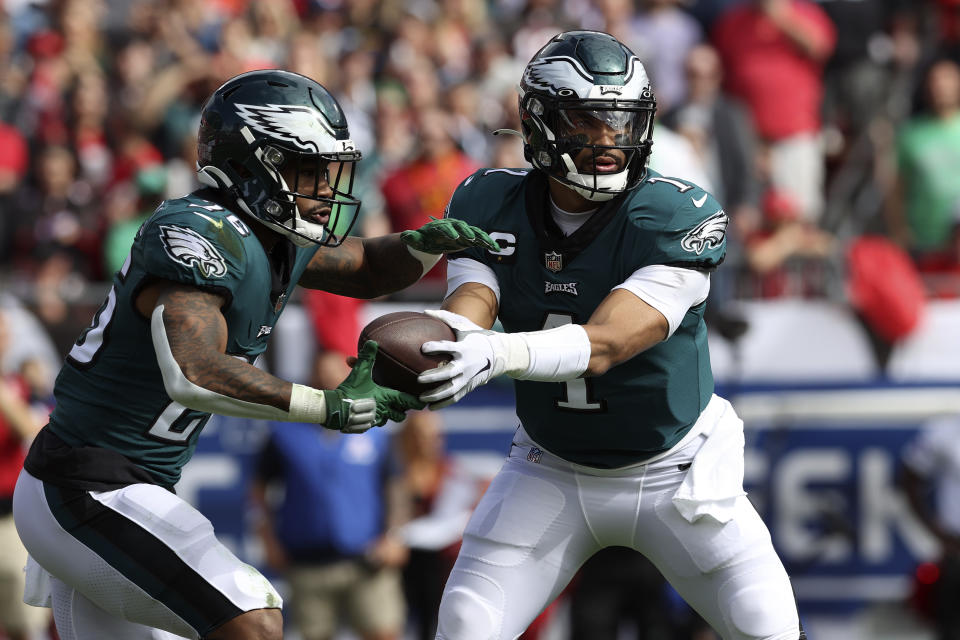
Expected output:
{"points": [[399, 360]]}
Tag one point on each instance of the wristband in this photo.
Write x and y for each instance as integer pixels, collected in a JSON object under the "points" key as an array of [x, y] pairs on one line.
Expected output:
{"points": [[307, 405]]}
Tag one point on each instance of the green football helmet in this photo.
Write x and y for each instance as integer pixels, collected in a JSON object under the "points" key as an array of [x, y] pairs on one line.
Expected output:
{"points": [[263, 125], [585, 96]]}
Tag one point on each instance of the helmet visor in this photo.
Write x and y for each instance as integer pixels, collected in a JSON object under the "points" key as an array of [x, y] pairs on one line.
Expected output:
{"points": [[581, 127]]}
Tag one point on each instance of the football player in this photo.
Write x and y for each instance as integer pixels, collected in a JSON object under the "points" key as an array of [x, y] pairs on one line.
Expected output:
{"points": [[600, 286], [114, 551]]}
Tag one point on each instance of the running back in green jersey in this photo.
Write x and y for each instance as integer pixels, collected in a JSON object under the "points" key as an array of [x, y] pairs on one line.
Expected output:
{"points": [[640, 407], [110, 392]]}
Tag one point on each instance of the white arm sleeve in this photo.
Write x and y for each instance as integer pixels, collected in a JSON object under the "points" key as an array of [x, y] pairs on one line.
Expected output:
{"points": [[669, 290], [548, 355], [306, 404], [463, 270]]}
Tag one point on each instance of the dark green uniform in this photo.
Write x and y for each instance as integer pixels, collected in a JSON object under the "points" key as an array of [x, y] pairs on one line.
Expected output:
{"points": [[110, 393], [640, 407]]}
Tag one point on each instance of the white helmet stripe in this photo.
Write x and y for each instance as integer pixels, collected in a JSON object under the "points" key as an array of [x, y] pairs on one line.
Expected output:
{"points": [[556, 73], [304, 126]]}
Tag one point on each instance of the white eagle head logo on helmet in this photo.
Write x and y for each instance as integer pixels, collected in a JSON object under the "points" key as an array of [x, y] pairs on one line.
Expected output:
{"points": [[303, 126], [565, 77]]}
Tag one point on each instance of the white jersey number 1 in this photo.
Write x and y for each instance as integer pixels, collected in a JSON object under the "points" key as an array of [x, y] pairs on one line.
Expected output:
{"points": [[577, 392]]}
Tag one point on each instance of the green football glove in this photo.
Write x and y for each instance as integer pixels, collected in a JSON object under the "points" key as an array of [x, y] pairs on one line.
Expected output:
{"points": [[447, 235], [359, 403]]}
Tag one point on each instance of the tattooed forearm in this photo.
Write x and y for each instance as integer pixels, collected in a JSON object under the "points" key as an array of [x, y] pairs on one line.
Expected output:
{"points": [[363, 268], [197, 333]]}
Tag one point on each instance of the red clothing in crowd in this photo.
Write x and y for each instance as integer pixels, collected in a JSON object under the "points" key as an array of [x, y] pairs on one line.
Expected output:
{"points": [[769, 72], [14, 155], [12, 451], [941, 274], [336, 320], [422, 188], [948, 17]]}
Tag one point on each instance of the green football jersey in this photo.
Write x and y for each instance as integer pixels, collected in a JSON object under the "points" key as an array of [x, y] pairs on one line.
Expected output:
{"points": [[640, 407], [110, 392]]}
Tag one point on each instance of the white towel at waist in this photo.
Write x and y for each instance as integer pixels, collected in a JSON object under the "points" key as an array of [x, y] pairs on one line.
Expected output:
{"points": [[37, 591], [714, 481]]}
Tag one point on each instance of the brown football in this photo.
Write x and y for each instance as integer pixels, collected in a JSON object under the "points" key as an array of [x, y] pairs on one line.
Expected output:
{"points": [[399, 336]]}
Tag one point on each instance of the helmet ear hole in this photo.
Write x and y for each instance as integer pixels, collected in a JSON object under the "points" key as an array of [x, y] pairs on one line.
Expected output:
{"points": [[274, 210]]}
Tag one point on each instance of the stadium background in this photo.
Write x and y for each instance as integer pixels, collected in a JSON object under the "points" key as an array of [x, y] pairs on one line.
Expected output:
{"points": [[98, 109]]}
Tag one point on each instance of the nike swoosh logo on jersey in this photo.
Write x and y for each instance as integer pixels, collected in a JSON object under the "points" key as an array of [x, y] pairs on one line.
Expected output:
{"points": [[216, 223], [698, 202]]}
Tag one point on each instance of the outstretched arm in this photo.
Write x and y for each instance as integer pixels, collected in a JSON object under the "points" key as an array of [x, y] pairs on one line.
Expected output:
{"points": [[190, 337], [622, 326], [371, 267], [363, 268]]}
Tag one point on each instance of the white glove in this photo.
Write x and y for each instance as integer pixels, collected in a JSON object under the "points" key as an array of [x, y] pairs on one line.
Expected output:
{"points": [[478, 355]]}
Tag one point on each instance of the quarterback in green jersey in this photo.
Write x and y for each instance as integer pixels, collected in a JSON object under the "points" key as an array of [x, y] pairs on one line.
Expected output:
{"points": [[113, 550], [600, 284]]}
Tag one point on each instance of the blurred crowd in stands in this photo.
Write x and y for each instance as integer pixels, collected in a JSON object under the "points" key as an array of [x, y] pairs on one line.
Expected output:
{"points": [[814, 123], [829, 130]]}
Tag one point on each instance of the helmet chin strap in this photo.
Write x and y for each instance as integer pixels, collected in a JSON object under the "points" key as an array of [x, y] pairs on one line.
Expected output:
{"points": [[301, 234], [302, 240], [315, 233], [608, 186]]}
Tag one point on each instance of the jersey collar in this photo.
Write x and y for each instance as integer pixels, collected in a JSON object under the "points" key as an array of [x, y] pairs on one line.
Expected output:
{"points": [[551, 240]]}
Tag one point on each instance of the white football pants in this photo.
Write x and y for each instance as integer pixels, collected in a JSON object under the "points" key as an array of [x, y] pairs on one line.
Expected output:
{"points": [[129, 563], [542, 518]]}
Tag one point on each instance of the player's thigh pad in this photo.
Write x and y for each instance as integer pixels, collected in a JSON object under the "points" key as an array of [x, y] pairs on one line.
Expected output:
{"points": [[705, 544], [77, 618], [519, 550], [729, 572], [515, 513], [139, 553]]}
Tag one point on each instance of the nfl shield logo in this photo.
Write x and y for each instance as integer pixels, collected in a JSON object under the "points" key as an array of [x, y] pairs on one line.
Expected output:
{"points": [[553, 261], [534, 455]]}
